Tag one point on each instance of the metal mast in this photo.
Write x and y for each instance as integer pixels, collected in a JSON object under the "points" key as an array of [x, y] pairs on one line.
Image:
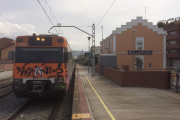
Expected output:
{"points": [[93, 50]]}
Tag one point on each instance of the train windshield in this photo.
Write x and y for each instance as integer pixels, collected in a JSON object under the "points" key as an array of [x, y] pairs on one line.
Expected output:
{"points": [[39, 55]]}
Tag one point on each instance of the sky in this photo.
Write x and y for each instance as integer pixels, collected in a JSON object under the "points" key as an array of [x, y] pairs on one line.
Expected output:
{"points": [[25, 17]]}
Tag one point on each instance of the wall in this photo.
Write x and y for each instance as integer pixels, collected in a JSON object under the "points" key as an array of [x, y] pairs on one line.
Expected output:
{"points": [[150, 79], [97, 68], [106, 41], [6, 67], [5, 51]]}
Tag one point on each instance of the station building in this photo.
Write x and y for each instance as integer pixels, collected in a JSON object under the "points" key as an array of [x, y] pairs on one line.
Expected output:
{"points": [[141, 38]]}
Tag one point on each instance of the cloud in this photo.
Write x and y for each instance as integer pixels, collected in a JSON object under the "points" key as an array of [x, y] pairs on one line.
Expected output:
{"points": [[13, 30], [29, 16]]}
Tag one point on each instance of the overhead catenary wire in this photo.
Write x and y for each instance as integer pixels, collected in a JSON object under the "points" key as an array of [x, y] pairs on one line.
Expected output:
{"points": [[54, 17], [8, 36], [47, 15], [51, 11], [15, 28], [105, 13]]}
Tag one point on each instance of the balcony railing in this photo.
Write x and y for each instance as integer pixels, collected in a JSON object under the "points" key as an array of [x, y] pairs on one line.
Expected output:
{"points": [[173, 37], [173, 46], [172, 27], [173, 55]]}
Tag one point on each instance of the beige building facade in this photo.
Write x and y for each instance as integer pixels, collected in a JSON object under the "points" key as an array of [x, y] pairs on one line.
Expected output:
{"points": [[5, 51], [149, 43]]}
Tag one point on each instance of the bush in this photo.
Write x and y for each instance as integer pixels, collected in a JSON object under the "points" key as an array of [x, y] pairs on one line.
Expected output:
{"points": [[161, 24], [172, 23]]}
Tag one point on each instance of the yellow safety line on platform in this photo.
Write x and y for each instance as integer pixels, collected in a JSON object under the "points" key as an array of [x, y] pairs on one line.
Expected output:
{"points": [[110, 114], [80, 115], [76, 116]]}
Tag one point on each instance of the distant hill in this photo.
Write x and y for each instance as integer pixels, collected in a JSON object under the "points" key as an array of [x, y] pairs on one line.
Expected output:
{"points": [[77, 53]]}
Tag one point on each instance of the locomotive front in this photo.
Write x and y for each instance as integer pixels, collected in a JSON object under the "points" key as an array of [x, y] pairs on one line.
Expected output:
{"points": [[40, 67]]}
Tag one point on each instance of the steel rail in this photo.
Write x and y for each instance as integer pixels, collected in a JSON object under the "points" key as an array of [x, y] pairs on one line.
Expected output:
{"points": [[15, 114], [2, 96], [5, 86], [53, 115]]}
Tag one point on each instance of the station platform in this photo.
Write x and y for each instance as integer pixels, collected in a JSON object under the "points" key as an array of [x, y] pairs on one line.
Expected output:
{"points": [[6, 75], [97, 98]]}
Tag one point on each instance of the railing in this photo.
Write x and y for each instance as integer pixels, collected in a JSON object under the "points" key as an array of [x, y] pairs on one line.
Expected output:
{"points": [[173, 55], [172, 37], [172, 46]]}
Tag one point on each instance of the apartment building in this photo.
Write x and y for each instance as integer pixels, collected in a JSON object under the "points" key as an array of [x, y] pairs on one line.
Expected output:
{"points": [[173, 45]]}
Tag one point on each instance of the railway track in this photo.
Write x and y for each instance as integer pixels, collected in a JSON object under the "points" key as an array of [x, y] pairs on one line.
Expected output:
{"points": [[16, 113], [5, 90], [37, 109], [7, 85]]}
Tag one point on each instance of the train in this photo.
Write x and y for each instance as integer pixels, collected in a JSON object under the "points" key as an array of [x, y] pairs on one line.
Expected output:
{"points": [[43, 66]]}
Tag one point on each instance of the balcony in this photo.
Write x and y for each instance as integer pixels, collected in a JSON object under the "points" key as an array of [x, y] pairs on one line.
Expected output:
{"points": [[173, 46], [173, 37], [172, 27], [173, 55]]}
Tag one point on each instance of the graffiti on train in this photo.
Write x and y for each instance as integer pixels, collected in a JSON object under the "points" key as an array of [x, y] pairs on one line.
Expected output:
{"points": [[37, 71]]}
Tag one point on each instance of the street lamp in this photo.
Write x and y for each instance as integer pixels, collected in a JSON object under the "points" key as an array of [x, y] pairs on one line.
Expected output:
{"points": [[133, 48], [89, 52]]}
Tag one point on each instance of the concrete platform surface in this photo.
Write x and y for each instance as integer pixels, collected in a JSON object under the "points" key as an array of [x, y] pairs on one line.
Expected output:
{"points": [[108, 100], [6, 75]]}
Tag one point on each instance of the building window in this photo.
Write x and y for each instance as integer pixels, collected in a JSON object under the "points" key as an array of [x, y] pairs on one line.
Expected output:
{"points": [[139, 46], [110, 44], [139, 43], [173, 51], [173, 42], [8, 42], [173, 33], [1, 42]]}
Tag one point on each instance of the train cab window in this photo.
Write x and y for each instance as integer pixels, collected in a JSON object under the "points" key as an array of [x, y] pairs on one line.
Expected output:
{"points": [[39, 55]]}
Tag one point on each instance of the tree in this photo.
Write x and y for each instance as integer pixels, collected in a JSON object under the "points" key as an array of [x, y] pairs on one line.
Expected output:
{"points": [[161, 24], [172, 23], [138, 63]]}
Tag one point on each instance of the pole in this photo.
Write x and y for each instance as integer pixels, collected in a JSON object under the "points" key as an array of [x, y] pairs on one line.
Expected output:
{"points": [[89, 53], [102, 32], [93, 50], [133, 50], [177, 80], [145, 12], [82, 57]]}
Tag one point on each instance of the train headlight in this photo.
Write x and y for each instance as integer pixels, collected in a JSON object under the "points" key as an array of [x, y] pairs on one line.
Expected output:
{"points": [[17, 80], [43, 39], [37, 38], [59, 80]]}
